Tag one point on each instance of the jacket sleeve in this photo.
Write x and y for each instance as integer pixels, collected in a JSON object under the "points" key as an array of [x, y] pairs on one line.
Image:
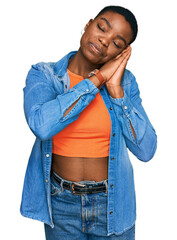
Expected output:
{"points": [[129, 109], [44, 109]]}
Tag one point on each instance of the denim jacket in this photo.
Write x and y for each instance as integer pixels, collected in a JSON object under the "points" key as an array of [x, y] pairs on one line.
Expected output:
{"points": [[46, 98]]}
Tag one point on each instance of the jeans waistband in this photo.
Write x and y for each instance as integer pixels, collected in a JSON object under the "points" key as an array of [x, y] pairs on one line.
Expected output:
{"points": [[81, 186]]}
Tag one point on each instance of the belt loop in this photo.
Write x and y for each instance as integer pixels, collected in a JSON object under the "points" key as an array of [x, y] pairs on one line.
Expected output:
{"points": [[106, 183], [61, 184]]}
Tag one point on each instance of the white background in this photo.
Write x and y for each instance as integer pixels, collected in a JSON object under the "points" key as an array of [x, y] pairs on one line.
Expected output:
{"points": [[40, 30]]}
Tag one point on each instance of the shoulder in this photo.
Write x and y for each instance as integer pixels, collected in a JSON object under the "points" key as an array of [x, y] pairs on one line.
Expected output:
{"points": [[54, 68], [45, 67], [41, 72]]}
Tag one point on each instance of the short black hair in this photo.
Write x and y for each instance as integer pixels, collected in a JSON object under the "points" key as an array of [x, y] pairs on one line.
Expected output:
{"points": [[129, 16]]}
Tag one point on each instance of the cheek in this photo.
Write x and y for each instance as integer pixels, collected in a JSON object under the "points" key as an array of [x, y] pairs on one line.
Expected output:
{"points": [[113, 52], [85, 38], [82, 40]]}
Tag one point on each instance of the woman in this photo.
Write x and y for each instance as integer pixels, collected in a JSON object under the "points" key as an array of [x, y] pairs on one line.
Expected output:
{"points": [[85, 111]]}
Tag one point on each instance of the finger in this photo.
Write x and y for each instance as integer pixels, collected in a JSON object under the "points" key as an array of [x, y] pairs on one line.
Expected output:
{"points": [[123, 63], [121, 58], [120, 71], [125, 60], [121, 68], [126, 50]]}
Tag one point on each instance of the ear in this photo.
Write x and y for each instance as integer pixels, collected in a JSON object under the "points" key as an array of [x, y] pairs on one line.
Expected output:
{"points": [[88, 24]]}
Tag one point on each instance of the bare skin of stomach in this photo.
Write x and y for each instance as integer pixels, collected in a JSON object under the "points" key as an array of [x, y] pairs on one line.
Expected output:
{"points": [[77, 169]]}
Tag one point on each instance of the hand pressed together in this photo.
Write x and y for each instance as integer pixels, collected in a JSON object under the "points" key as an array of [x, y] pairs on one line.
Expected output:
{"points": [[113, 70]]}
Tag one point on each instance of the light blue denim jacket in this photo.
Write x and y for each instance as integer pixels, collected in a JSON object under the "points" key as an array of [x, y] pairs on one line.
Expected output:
{"points": [[46, 98]]}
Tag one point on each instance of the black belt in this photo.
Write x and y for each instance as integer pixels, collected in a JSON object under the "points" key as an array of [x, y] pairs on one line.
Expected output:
{"points": [[78, 188]]}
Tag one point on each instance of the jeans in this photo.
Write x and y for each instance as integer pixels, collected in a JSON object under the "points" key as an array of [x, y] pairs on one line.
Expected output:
{"points": [[80, 216]]}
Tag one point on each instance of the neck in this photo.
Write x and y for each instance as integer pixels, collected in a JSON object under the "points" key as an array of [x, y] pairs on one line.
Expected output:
{"points": [[80, 65]]}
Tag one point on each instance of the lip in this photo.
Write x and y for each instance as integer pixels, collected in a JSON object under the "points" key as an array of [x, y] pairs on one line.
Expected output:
{"points": [[96, 48]]}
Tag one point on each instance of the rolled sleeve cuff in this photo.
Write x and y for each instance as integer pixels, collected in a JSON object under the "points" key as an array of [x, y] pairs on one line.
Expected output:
{"points": [[123, 104], [86, 86]]}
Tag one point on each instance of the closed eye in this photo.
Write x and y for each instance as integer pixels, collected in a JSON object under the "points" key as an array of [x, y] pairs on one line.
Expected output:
{"points": [[100, 28], [116, 45], [104, 31]]}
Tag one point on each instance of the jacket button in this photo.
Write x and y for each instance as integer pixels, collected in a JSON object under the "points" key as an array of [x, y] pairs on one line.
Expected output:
{"points": [[125, 107], [110, 108], [46, 180], [114, 134], [112, 158], [47, 155], [111, 212], [112, 185], [65, 86]]}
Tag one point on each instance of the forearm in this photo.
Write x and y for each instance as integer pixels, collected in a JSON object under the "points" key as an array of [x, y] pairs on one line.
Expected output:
{"points": [[117, 92], [45, 111], [48, 113], [132, 130], [95, 81], [69, 109], [134, 122]]}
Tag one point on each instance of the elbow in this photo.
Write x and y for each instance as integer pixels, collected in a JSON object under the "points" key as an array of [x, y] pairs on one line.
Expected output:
{"points": [[41, 132], [147, 157], [148, 153], [43, 137]]}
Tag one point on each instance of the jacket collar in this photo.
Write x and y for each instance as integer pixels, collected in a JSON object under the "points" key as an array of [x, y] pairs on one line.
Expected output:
{"points": [[61, 66]]}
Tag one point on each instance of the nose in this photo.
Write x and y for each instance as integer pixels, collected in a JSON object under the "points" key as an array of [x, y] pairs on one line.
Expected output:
{"points": [[104, 41]]}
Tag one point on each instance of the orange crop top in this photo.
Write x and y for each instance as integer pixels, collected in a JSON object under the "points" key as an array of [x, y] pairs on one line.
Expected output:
{"points": [[89, 135]]}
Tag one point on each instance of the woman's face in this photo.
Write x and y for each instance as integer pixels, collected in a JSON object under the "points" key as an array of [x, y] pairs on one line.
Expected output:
{"points": [[105, 37]]}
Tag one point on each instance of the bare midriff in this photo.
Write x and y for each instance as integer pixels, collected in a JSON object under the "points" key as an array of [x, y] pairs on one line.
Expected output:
{"points": [[77, 169]]}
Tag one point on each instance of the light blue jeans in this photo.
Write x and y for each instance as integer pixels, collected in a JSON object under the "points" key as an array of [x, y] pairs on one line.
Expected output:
{"points": [[80, 217]]}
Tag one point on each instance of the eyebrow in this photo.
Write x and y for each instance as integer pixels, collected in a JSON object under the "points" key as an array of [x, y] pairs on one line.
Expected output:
{"points": [[107, 22], [109, 25]]}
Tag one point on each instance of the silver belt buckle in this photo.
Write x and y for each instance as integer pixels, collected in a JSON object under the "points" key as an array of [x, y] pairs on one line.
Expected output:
{"points": [[76, 184]]}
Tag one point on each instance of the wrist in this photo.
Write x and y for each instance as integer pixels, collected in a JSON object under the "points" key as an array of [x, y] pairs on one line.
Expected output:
{"points": [[94, 80], [115, 91], [98, 75], [103, 74]]}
